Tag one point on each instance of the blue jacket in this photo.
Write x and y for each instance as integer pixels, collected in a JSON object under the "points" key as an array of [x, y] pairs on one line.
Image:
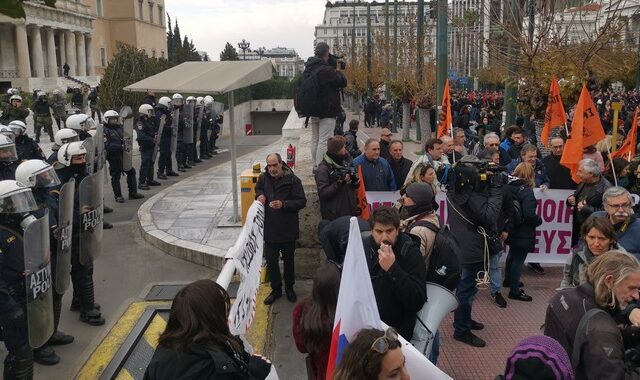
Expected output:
{"points": [[541, 172], [506, 144], [377, 174], [629, 239], [114, 138], [146, 131]]}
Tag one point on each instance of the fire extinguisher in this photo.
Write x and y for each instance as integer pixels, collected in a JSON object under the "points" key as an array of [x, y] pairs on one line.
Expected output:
{"points": [[291, 156]]}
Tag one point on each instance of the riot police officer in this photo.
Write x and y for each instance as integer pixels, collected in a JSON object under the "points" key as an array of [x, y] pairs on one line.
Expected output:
{"points": [[61, 137], [58, 105], [189, 131], [181, 155], [42, 116], [15, 110], [8, 158], [147, 138], [27, 148], [72, 158], [207, 128], [165, 163], [198, 117], [93, 104], [45, 186], [82, 124], [16, 207], [114, 142]]}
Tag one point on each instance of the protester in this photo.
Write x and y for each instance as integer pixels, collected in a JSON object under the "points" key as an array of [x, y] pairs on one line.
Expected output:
{"points": [[283, 196], [538, 358], [432, 156], [593, 153], [197, 343], [619, 175], [385, 143], [528, 154], [376, 172], [312, 320], [559, 175], [492, 141], [400, 165], [334, 236], [458, 141], [449, 155], [351, 137], [617, 202], [397, 270], [373, 354], [423, 173], [514, 136], [612, 282], [588, 195], [599, 237], [336, 179]]}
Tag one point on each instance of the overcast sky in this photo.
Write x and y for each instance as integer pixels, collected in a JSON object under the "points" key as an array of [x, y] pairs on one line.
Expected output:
{"points": [[269, 23]]}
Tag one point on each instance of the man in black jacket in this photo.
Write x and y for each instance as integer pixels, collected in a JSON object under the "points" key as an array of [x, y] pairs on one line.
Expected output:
{"points": [[283, 196], [385, 142], [331, 80], [336, 181], [397, 270], [473, 206], [559, 175], [400, 165], [351, 139]]}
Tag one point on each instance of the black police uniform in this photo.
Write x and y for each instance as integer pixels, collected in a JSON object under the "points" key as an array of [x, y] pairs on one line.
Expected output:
{"points": [[145, 131], [207, 125], [165, 163], [181, 149], [28, 149], [217, 121], [113, 145], [8, 170]]}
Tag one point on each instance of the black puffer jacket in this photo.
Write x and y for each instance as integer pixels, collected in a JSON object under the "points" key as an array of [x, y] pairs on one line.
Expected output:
{"points": [[592, 194], [523, 236], [281, 225], [337, 198], [330, 81]]}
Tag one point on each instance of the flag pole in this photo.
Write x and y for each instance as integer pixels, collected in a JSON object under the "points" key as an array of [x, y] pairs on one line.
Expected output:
{"points": [[454, 150], [613, 170]]}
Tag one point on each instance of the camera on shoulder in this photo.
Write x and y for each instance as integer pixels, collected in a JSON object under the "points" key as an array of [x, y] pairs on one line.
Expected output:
{"points": [[335, 60]]}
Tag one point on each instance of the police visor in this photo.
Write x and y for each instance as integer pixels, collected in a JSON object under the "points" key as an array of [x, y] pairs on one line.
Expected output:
{"points": [[17, 203], [46, 178], [8, 153]]}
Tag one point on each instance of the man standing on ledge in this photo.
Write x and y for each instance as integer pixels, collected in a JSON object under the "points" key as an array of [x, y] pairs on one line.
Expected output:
{"points": [[283, 196]]}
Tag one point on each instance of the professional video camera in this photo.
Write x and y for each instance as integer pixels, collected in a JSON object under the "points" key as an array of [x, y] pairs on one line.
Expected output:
{"points": [[339, 174], [334, 60], [476, 175]]}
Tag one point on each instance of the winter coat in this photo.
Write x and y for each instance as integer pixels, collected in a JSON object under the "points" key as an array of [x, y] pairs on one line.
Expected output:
{"points": [[400, 292], [330, 83], [575, 268], [541, 172], [334, 236], [337, 198], [11, 113], [377, 174], [592, 194], [281, 225], [352, 144], [627, 236], [559, 175], [400, 170], [427, 236], [145, 132], [28, 149], [41, 107], [523, 236], [384, 150], [114, 138], [203, 363], [602, 355]]}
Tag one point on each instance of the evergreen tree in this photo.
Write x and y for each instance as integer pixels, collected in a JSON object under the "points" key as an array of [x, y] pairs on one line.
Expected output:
{"points": [[205, 57], [229, 53], [169, 39]]}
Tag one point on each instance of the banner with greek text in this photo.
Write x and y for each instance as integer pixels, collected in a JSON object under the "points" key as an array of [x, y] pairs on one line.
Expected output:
{"points": [[247, 257], [553, 237]]}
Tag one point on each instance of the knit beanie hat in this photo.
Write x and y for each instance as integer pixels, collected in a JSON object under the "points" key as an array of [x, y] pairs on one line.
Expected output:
{"points": [[334, 144], [421, 193], [539, 357]]}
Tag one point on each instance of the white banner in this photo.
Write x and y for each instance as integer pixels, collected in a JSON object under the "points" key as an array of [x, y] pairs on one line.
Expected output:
{"points": [[247, 257], [553, 237]]}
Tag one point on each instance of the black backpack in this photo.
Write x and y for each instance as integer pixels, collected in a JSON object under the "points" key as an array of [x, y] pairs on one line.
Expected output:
{"points": [[444, 264], [306, 94]]}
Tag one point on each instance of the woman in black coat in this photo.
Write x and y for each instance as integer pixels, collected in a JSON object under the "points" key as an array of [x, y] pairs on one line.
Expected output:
{"points": [[522, 237]]}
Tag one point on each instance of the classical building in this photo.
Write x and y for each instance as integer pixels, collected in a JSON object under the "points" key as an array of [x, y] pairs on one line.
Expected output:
{"points": [[285, 61], [80, 33]]}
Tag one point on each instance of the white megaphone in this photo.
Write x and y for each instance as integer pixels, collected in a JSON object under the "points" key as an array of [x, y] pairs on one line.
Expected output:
{"points": [[441, 301]]}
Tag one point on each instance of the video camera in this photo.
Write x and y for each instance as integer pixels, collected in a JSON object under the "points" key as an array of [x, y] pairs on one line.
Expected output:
{"points": [[339, 174], [334, 60], [476, 175]]}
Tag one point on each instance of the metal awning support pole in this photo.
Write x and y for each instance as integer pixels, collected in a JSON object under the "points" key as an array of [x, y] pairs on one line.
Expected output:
{"points": [[234, 171]]}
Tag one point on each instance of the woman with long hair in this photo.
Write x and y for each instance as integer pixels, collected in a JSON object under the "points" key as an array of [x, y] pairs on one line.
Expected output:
{"points": [[312, 321], [423, 172], [522, 237], [373, 354], [197, 343]]}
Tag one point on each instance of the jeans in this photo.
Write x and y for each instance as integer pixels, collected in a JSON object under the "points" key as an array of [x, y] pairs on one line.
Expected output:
{"points": [[494, 273], [465, 293], [515, 261], [272, 255], [321, 131]]}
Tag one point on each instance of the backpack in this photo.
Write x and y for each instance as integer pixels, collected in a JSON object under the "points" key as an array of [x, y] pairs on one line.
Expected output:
{"points": [[518, 216], [306, 94], [580, 338], [444, 266]]}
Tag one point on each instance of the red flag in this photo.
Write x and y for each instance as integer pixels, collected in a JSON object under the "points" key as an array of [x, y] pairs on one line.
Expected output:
{"points": [[446, 121], [586, 130], [628, 148], [361, 197], [555, 115]]}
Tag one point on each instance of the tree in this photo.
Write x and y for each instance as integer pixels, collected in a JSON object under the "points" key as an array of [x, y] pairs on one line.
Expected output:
{"points": [[180, 49], [229, 53], [205, 57], [129, 65], [15, 8], [169, 39]]}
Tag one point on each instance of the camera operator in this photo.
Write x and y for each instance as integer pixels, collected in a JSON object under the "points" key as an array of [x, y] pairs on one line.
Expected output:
{"points": [[474, 201], [330, 80], [594, 340], [336, 179]]}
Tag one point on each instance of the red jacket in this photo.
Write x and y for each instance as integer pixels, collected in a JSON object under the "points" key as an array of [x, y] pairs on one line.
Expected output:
{"points": [[319, 361]]}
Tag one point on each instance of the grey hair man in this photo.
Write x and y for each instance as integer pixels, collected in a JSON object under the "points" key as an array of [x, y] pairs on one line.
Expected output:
{"points": [[492, 141], [618, 207]]}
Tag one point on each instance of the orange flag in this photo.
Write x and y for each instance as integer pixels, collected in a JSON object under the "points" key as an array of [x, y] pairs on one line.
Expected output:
{"points": [[586, 130], [628, 148], [361, 198], [446, 121], [554, 116]]}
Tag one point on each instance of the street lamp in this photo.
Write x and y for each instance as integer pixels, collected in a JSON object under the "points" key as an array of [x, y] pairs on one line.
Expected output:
{"points": [[260, 52], [244, 46]]}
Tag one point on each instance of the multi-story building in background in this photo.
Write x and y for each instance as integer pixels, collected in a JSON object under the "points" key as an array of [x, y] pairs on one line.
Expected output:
{"points": [[285, 61], [80, 33]]}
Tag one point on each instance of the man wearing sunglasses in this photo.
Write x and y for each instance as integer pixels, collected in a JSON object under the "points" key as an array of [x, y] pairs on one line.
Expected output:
{"points": [[492, 141]]}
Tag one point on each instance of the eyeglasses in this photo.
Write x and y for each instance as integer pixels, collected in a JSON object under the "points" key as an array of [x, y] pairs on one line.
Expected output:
{"points": [[382, 344], [496, 144], [619, 206]]}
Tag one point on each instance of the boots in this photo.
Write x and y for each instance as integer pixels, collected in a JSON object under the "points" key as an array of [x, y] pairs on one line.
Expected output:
{"points": [[161, 176], [45, 355], [19, 364], [117, 189], [135, 196], [92, 317]]}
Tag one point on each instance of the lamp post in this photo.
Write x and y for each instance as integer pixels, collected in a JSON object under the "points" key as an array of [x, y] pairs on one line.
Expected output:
{"points": [[244, 46], [260, 52]]}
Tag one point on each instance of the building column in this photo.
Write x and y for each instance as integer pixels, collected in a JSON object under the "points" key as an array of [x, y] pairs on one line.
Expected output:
{"points": [[22, 46], [52, 61], [81, 55], [71, 51], [36, 51], [62, 47], [91, 67]]}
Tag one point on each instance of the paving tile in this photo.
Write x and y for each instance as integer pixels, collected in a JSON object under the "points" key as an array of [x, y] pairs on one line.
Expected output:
{"points": [[186, 233], [192, 222]]}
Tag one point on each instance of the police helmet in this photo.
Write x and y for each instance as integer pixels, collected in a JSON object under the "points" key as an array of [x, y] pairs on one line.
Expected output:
{"points": [[18, 127], [208, 98], [69, 150], [80, 122], [16, 198], [15, 97], [4, 130], [64, 136], [37, 174], [177, 99], [191, 99], [165, 101], [8, 151], [41, 94], [199, 100], [146, 110]]}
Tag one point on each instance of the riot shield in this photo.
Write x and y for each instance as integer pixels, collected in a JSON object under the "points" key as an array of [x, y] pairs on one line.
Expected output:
{"points": [[174, 130], [127, 130], [37, 274], [91, 211], [200, 116], [219, 108], [99, 147], [156, 148], [88, 144], [188, 124], [65, 228]]}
